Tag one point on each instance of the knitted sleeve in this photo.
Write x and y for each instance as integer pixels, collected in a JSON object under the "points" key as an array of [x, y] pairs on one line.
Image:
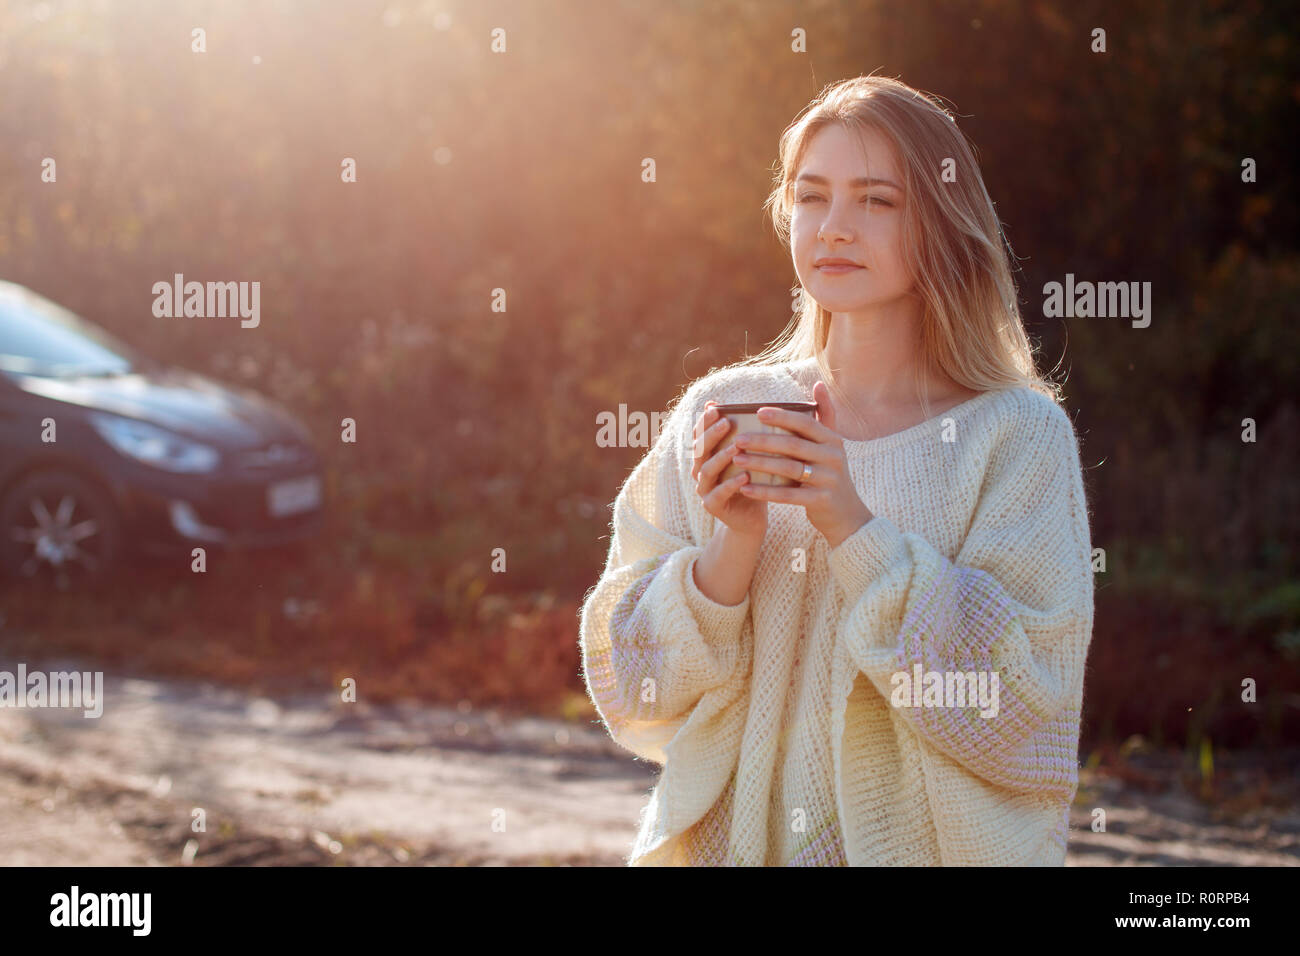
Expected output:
{"points": [[1016, 606], [652, 643]]}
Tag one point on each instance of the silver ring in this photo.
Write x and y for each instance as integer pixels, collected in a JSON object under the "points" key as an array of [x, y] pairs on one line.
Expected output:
{"points": [[807, 473]]}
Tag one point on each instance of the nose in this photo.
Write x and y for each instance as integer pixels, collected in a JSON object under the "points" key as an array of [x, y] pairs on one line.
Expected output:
{"points": [[837, 225]]}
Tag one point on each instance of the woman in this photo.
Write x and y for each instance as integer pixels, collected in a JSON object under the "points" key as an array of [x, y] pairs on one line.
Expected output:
{"points": [[883, 664]]}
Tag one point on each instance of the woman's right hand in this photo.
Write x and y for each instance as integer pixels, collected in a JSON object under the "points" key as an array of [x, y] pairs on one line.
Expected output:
{"points": [[744, 516]]}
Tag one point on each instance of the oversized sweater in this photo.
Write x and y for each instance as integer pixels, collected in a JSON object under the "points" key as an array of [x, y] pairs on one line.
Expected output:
{"points": [[784, 726]]}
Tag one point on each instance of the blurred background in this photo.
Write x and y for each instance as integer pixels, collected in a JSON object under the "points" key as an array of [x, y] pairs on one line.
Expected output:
{"points": [[521, 171]]}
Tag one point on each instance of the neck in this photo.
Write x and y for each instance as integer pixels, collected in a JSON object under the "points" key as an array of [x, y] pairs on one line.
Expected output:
{"points": [[875, 355]]}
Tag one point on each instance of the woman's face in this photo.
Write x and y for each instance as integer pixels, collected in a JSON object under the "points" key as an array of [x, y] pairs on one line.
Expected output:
{"points": [[858, 220]]}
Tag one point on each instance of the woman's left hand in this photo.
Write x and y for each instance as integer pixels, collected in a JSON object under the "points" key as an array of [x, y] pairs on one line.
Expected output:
{"points": [[828, 496]]}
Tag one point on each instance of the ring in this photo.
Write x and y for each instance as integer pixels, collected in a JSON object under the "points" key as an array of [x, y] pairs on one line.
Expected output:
{"points": [[807, 473]]}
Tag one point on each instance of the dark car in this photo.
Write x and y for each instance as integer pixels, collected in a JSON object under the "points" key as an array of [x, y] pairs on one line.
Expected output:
{"points": [[106, 453]]}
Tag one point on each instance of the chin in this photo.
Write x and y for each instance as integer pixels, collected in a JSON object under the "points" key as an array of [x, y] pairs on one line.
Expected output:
{"points": [[843, 303]]}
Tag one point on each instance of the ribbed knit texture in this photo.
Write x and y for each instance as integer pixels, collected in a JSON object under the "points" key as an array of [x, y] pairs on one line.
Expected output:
{"points": [[773, 718]]}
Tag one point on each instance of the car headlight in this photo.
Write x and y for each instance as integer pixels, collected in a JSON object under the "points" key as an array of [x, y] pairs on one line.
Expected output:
{"points": [[155, 446]]}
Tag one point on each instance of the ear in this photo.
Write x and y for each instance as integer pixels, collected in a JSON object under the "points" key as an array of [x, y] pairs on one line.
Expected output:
{"points": [[822, 396]]}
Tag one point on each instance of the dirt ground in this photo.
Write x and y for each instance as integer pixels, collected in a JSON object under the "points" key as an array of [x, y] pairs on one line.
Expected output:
{"points": [[309, 781]]}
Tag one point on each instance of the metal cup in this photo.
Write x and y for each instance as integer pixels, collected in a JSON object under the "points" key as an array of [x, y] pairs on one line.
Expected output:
{"points": [[744, 420]]}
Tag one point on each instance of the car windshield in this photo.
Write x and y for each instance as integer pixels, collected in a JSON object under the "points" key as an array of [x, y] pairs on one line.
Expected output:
{"points": [[39, 337]]}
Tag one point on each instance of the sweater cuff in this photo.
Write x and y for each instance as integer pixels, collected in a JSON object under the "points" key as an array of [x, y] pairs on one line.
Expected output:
{"points": [[864, 555], [716, 621]]}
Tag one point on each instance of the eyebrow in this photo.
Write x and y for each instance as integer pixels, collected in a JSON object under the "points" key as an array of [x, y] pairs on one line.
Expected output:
{"points": [[860, 181]]}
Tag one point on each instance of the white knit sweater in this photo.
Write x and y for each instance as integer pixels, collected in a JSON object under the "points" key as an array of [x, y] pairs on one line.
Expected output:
{"points": [[778, 722]]}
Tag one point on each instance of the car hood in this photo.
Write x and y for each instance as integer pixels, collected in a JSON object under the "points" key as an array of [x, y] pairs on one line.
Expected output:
{"points": [[179, 400]]}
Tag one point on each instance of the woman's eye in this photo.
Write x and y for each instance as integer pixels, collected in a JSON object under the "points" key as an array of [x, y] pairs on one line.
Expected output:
{"points": [[810, 197]]}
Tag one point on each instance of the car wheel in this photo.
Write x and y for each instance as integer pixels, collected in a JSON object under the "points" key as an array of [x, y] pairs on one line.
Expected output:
{"points": [[58, 527]]}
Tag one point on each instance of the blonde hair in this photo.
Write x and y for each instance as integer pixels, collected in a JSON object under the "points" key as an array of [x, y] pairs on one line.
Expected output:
{"points": [[971, 329]]}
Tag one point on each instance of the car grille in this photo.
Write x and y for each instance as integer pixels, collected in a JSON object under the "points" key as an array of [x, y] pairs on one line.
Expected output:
{"points": [[241, 506], [271, 458]]}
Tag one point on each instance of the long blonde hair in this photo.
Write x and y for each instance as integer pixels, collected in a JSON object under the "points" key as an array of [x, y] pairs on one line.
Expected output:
{"points": [[971, 329]]}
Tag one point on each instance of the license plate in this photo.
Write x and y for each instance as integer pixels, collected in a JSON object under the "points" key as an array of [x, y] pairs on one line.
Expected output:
{"points": [[292, 496]]}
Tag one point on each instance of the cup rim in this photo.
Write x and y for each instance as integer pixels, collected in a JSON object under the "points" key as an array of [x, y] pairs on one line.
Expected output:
{"points": [[749, 408]]}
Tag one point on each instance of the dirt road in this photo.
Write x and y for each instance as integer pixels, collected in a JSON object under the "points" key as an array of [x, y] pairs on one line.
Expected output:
{"points": [[307, 781]]}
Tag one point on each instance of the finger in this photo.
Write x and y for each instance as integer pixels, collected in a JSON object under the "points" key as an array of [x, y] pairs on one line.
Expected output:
{"points": [[706, 444], [772, 465], [779, 494], [718, 458], [789, 446], [701, 428], [705, 419], [825, 413], [801, 424], [728, 488], [714, 467]]}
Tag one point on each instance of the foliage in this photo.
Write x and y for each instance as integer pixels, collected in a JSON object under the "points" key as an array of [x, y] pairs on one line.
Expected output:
{"points": [[476, 428]]}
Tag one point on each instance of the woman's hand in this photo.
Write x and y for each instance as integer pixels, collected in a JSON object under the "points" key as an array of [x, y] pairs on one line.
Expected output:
{"points": [[747, 517], [828, 496]]}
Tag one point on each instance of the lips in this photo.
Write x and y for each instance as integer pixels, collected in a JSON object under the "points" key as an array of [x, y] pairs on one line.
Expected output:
{"points": [[837, 262]]}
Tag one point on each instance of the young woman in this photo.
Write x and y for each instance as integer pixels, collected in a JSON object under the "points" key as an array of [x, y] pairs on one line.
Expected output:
{"points": [[883, 664]]}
